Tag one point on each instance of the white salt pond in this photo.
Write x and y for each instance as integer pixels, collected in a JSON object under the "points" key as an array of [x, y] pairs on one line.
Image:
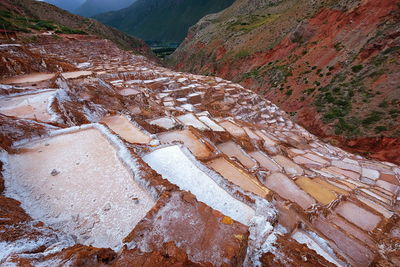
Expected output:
{"points": [[303, 238], [210, 123], [76, 183], [128, 92], [191, 120], [188, 176], [128, 131], [166, 122], [29, 106], [76, 74]]}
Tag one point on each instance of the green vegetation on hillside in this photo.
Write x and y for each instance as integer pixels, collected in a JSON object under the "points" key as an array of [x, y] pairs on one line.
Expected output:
{"points": [[28, 15], [161, 20], [251, 22], [13, 22]]}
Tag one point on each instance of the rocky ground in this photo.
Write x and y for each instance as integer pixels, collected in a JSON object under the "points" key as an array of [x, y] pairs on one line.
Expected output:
{"points": [[110, 159]]}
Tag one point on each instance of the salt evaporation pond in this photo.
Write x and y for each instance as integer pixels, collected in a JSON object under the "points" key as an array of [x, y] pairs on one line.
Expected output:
{"points": [[75, 182], [28, 106], [188, 176]]}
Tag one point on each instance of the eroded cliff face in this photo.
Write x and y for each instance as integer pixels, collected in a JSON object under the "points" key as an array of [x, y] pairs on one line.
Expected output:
{"points": [[107, 158], [332, 66]]}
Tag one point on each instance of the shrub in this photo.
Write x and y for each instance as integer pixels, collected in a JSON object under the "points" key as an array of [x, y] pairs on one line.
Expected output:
{"points": [[383, 104], [372, 118], [357, 68], [379, 129]]}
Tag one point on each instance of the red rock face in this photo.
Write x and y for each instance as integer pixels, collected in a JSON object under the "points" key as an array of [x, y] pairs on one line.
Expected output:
{"points": [[319, 56], [194, 170]]}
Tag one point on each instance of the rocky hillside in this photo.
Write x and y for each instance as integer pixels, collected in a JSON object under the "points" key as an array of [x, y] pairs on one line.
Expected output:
{"points": [[333, 66], [30, 15], [161, 20], [93, 7]]}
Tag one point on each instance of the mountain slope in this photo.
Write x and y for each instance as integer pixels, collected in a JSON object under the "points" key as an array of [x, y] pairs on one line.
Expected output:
{"points": [[46, 12], [92, 7], [161, 20], [70, 5], [332, 65]]}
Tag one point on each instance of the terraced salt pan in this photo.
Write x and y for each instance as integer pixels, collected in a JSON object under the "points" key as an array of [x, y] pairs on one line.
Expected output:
{"points": [[231, 149], [29, 78], [191, 120], [166, 123], [237, 176], [362, 218], [29, 106], [232, 128], [128, 131], [76, 74], [287, 189], [210, 123], [195, 146], [304, 238], [316, 190], [173, 164], [289, 166], [265, 161], [76, 183], [128, 92]]}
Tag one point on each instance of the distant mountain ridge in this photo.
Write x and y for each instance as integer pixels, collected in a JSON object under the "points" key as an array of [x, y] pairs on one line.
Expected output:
{"points": [[93, 7], [69, 5], [161, 20]]}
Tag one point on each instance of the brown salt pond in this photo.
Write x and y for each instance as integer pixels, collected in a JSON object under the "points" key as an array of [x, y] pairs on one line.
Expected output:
{"points": [[231, 149], [199, 149], [362, 218], [287, 189], [316, 190], [126, 129], [237, 176], [29, 78], [75, 182], [29, 106]]}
